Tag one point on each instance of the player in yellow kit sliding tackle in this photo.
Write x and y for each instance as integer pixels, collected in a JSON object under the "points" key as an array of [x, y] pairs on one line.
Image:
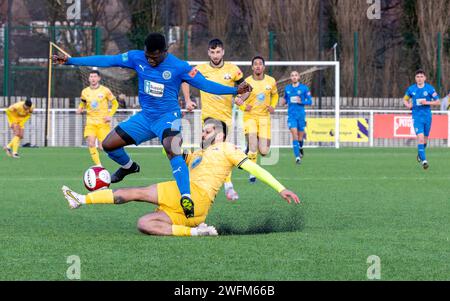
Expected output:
{"points": [[219, 107], [17, 114], [208, 168], [257, 109], [95, 100]]}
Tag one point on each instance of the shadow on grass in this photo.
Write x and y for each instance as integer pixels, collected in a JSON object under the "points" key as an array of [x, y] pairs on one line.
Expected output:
{"points": [[264, 223]]}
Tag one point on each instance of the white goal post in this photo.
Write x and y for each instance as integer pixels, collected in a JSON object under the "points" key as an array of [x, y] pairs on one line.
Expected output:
{"points": [[334, 64]]}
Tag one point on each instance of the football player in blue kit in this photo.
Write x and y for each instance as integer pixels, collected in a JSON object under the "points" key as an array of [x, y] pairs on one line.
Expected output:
{"points": [[419, 98], [160, 76], [296, 96]]}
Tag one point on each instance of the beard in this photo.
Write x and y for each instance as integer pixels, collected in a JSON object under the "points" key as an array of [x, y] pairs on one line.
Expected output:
{"points": [[208, 142]]}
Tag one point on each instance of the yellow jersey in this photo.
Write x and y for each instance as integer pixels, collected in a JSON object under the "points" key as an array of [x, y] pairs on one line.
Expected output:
{"points": [[264, 93], [96, 103], [16, 113], [209, 168], [219, 106]]}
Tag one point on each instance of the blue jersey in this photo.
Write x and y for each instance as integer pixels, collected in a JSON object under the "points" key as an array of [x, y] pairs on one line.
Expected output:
{"points": [[417, 95], [158, 86], [296, 99]]}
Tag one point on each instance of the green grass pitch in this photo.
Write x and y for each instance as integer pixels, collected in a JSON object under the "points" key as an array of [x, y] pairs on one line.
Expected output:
{"points": [[356, 203]]}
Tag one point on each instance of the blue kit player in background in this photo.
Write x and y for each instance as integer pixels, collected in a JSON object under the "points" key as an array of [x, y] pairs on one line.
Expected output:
{"points": [[296, 96], [160, 76], [419, 98]]}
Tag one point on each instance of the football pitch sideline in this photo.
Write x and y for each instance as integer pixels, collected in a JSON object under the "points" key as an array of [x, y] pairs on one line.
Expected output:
{"points": [[355, 203]]}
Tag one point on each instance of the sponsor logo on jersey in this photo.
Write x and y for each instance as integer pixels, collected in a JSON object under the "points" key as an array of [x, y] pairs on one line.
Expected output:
{"points": [[261, 97], [193, 72], [167, 75], [153, 89]]}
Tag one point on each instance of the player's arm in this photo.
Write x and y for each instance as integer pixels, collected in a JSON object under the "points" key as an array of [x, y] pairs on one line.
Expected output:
{"points": [[265, 176], [436, 100], [82, 105], [10, 113], [121, 60], [196, 79], [23, 121], [307, 98], [190, 105], [274, 99]]}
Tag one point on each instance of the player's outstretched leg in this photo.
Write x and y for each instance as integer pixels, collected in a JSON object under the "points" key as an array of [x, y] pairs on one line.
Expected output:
{"points": [[113, 146]]}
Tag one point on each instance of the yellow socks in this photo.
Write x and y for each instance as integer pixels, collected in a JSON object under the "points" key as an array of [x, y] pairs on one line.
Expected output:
{"points": [[178, 230], [252, 156], [14, 144], [100, 197], [228, 179], [95, 155]]}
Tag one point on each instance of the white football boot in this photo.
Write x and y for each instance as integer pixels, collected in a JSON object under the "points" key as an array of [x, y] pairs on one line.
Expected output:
{"points": [[73, 198]]}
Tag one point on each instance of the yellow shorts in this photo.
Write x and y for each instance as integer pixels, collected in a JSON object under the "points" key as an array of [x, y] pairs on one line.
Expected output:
{"points": [[16, 121], [97, 130], [169, 202], [258, 125]]}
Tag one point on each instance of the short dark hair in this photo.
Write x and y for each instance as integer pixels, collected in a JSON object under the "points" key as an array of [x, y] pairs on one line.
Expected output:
{"points": [[420, 71], [94, 71], [28, 102], [218, 124], [258, 57], [214, 43], [155, 41]]}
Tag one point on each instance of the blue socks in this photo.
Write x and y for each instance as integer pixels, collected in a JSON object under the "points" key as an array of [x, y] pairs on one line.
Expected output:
{"points": [[296, 147], [422, 155], [119, 156], [181, 174]]}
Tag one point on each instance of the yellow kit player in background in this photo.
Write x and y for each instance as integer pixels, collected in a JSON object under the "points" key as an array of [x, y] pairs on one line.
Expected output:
{"points": [[208, 169], [95, 100], [17, 114], [219, 107], [257, 109]]}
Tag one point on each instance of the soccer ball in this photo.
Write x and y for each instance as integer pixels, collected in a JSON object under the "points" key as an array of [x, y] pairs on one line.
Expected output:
{"points": [[96, 178]]}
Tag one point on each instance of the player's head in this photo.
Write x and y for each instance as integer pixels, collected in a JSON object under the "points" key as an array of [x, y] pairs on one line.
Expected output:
{"points": [[94, 77], [295, 77], [420, 77], [214, 131], [155, 48], [258, 65], [28, 104], [216, 51]]}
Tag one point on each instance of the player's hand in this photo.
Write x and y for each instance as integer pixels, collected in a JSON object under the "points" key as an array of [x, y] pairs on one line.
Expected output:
{"points": [[423, 102], [270, 109], [244, 87], [289, 196], [248, 108], [59, 59], [80, 110], [190, 105], [408, 105], [107, 119]]}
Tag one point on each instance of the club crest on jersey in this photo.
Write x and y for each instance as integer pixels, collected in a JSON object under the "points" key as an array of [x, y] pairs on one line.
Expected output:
{"points": [[167, 75], [268, 87], [100, 96], [261, 97], [425, 93], [196, 162], [227, 76]]}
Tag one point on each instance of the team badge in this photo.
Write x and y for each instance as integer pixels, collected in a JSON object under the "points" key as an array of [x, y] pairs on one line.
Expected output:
{"points": [[100, 96], [268, 87], [425, 93], [167, 75], [227, 76]]}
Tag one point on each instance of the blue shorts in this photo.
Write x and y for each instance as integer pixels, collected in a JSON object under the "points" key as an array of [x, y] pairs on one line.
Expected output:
{"points": [[422, 125], [298, 123], [142, 128]]}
